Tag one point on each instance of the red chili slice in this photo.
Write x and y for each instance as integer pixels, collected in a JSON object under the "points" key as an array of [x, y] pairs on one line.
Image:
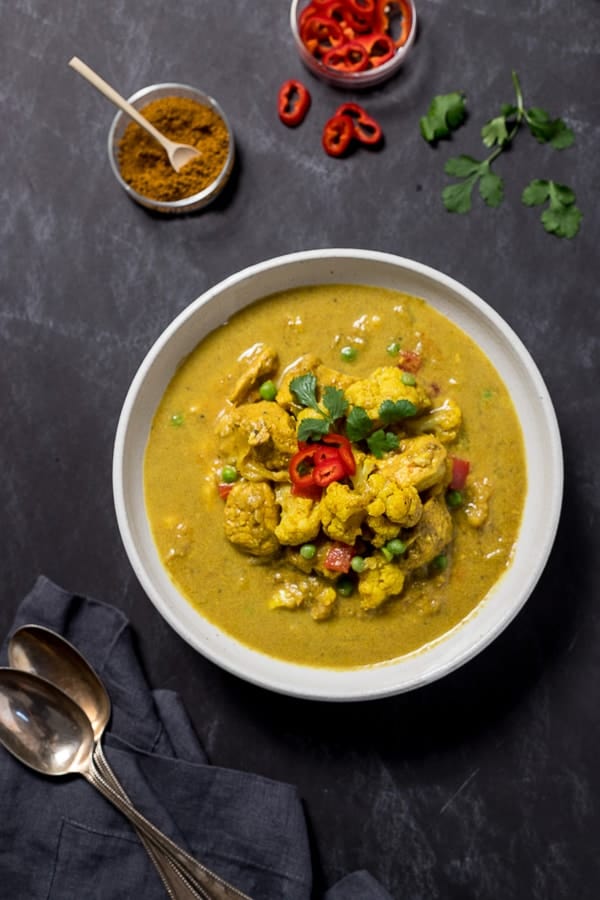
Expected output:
{"points": [[337, 135], [329, 471], [320, 34], [339, 557], [344, 448], [460, 470], [380, 47], [350, 57], [294, 102], [366, 129]]}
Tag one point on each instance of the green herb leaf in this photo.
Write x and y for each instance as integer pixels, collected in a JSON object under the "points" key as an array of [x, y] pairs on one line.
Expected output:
{"points": [[312, 429], [462, 166], [381, 442], [392, 411], [547, 130], [495, 132], [446, 112], [562, 218], [304, 388], [335, 402], [358, 424], [457, 197], [491, 188]]}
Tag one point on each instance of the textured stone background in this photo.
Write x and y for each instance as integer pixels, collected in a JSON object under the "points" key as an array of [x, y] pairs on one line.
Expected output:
{"points": [[485, 785]]}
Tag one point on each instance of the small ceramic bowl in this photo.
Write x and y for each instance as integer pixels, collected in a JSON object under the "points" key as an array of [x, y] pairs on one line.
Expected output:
{"points": [[121, 121], [352, 80], [543, 453]]}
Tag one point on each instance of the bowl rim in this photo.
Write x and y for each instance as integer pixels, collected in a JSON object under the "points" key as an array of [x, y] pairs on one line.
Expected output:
{"points": [[414, 670], [200, 198], [367, 78]]}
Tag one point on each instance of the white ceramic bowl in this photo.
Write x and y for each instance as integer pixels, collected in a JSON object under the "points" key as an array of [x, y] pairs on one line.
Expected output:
{"points": [[542, 448]]}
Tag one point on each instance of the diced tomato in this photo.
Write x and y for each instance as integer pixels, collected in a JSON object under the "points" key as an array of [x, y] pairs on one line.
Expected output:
{"points": [[339, 557], [460, 470], [409, 360], [224, 490]]}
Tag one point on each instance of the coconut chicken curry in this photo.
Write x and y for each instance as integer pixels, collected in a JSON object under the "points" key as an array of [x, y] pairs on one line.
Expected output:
{"points": [[336, 476]]}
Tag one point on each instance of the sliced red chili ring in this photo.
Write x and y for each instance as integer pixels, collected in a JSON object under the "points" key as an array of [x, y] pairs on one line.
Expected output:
{"points": [[390, 12], [344, 448], [321, 34], [366, 129], [328, 472], [380, 47], [350, 57], [337, 135], [294, 102]]}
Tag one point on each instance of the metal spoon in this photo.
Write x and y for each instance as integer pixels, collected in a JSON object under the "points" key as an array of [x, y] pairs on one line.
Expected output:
{"points": [[47, 731], [43, 652], [179, 154]]}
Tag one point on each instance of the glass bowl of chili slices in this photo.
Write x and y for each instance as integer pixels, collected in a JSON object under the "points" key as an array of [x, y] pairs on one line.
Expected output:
{"points": [[353, 43], [140, 165]]}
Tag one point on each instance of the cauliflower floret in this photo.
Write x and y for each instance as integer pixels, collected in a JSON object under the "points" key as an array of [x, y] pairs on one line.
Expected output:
{"points": [[430, 536], [327, 377], [399, 502], [443, 421], [300, 519], [251, 516], [305, 592], [421, 463], [385, 384], [379, 581], [260, 361], [260, 438], [343, 511]]}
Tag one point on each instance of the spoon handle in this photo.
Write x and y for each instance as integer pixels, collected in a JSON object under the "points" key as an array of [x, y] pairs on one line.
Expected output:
{"points": [[211, 885], [109, 92], [174, 881]]}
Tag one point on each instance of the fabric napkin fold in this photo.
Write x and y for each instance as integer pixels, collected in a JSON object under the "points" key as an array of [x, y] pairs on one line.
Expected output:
{"points": [[61, 840]]}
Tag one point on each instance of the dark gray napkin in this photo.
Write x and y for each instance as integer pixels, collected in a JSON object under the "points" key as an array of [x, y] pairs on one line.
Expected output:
{"points": [[61, 840]]}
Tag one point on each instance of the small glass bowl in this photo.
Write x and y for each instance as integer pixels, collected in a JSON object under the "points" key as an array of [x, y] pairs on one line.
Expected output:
{"points": [[121, 121], [369, 77]]}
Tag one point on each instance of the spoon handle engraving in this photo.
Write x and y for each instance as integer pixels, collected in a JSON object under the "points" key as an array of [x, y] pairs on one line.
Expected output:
{"points": [[210, 885]]}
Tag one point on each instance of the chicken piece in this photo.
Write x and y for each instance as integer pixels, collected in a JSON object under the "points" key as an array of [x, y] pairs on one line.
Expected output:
{"points": [[477, 506], [300, 519], [260, 438], [260, 362], [309, 592], [250, 518], [327, 377], [430, 536], [385, 384], [301, 366], [421, 463], [379, 581], [343, 511]]}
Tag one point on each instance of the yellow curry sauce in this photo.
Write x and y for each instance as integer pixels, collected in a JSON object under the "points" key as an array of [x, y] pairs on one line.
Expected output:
{"points": [[359, 334]]}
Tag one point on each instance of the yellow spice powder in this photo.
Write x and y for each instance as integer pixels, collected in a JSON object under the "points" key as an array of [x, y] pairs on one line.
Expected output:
{"points": [[145, 166]]}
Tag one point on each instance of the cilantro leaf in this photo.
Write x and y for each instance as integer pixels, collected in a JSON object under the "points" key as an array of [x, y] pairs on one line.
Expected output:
{"points": [[312, 429], [495, 132], [335, 402], [547, 130], [392, 411], [381, 442], [562, 218], [446, 112], [462, 166], [358, 424], [457, 197], [491, 188], [304, 388]]}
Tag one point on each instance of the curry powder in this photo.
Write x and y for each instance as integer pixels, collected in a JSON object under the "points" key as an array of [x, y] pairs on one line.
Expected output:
{"points": [[145, 166]]}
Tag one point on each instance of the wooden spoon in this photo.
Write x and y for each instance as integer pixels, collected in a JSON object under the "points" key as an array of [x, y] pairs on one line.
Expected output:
{"points": [[179, 154]]}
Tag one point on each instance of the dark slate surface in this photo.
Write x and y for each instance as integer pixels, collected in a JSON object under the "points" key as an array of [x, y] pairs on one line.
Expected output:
{"points": [[485, 785]]}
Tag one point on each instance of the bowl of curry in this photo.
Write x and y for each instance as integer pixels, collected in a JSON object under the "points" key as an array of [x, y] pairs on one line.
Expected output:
{"points": [[338, 474]]}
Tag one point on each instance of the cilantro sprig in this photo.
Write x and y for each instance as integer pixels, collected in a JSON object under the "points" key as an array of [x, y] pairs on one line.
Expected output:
{"points": [[359, 425], [562, 217], [446, 112]]}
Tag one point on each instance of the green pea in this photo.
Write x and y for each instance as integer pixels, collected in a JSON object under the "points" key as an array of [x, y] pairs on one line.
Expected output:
{"points": [[440, 562], [357, 564], [408, 378], [177, 419], [396, 547], [345, 587], [229, 474], [308, 551], [394, 348], [454, 499], [387, 554], [348, 354], [268, 390]]}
